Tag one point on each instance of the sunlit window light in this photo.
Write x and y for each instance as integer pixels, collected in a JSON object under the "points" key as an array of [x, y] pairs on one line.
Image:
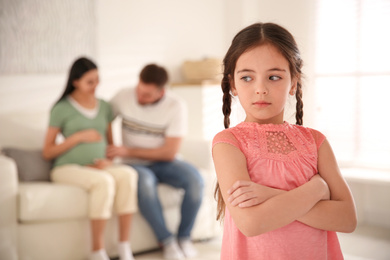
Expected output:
{"points": [[352, 80]]}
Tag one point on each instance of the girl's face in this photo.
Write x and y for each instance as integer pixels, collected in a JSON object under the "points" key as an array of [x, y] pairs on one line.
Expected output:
{"points": [[87, 83], [262, 82]]}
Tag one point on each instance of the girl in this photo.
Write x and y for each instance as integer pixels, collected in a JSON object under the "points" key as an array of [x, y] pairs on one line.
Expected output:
{"points": [[279, 186], [80, 160]]}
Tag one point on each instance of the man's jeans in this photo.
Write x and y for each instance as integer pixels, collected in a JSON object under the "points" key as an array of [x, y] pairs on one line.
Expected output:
{"points": [[178, 174]]}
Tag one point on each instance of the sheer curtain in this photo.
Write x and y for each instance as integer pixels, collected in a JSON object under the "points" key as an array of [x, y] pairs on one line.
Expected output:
{"points": [[352, 80]]}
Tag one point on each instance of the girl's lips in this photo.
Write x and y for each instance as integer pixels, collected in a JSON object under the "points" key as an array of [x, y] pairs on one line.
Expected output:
{"points": [[261, 104]]}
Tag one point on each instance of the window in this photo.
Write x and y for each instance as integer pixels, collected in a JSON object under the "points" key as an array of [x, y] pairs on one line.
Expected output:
{"points": [[352, 80]]}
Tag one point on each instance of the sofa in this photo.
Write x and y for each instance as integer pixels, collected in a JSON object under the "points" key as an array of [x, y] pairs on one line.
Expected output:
{"points": [[43, 220]]}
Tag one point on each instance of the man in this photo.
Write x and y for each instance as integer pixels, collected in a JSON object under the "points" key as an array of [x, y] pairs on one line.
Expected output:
{"points": [[154, 123]]}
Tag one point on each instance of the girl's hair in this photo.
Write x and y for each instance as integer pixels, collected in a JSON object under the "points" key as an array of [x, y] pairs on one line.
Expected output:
{"points": [[248, 38], [78, 69]]}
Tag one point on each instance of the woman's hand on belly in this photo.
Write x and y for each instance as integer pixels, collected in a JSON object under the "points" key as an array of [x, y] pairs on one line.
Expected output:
{"points": [[101, 163]]}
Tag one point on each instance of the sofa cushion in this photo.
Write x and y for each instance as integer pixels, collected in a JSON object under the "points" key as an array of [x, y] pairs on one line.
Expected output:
{"points": [[31, 166], [45, 201], [42, 201]]}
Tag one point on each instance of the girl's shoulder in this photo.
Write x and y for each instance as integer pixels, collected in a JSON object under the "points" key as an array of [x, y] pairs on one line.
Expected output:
{"points": [[311, 134], [240, 135], [305, 129], [226, 136], [243, 132]]}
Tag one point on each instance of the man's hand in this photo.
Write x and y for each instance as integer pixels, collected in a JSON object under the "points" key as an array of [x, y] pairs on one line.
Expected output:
{"points": [[117, 151], [247, 194]]}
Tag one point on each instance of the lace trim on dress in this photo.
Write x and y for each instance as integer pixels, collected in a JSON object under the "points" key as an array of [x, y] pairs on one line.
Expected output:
{"points": [[282, 142], [279, 143]]}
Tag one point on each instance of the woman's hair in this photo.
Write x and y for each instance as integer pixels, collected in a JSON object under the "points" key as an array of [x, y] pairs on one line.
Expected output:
{"points": [[78, 69], [248, 38], [154, 74]]}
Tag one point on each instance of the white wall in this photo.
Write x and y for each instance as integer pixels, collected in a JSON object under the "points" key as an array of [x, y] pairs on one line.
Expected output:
{"points": [[132, 33]]}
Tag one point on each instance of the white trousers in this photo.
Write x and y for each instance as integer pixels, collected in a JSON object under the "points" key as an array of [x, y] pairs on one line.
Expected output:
{"points": [[115, 186]]}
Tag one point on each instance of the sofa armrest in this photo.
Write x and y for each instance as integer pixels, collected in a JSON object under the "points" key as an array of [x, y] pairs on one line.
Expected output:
{"points": [[8, 208], [8, 189], [198, 153]]}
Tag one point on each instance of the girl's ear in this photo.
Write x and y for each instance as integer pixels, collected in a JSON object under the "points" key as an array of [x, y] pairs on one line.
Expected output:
{"points": [[293, 86], [232, 86]]}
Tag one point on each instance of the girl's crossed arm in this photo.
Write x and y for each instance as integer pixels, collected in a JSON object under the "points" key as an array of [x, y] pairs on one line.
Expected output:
{"points": [[336, 214], [276, 212]]}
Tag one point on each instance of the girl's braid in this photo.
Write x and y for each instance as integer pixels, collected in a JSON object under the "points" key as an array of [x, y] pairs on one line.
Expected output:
{"points": [[299, 105], [227, 100]]}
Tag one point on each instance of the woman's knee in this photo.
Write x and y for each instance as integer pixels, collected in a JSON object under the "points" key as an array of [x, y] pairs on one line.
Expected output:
{"points": [[125, 174], [104, 183], [132, 176]]}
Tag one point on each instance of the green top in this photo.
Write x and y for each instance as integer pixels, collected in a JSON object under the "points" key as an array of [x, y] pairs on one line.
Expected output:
{"points": [[65, 116]]}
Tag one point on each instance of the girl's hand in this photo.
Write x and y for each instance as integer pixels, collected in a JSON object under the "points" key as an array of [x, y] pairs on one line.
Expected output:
{"points": [[89, 136], [325, 188], [101, 163], [247, 194]]}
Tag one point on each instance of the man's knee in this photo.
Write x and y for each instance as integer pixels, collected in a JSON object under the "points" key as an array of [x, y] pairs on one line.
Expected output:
{"points": [[193, 175], [193, 178], [147, 182]]}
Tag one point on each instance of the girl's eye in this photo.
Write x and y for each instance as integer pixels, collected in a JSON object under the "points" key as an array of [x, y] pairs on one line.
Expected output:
{"points": [[246, 78], [274, 77]]}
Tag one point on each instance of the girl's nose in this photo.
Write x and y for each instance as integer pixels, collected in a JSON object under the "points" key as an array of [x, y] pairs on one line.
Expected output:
{"points": [[261, 89]]}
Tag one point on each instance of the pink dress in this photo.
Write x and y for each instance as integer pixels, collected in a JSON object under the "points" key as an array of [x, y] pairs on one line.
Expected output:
{"points": [[280, 156]]}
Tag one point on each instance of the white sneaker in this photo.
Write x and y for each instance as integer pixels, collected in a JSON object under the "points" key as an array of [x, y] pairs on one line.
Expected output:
{"points": [[188, 248], [172, 251], [99, 255], [124, 251]]}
